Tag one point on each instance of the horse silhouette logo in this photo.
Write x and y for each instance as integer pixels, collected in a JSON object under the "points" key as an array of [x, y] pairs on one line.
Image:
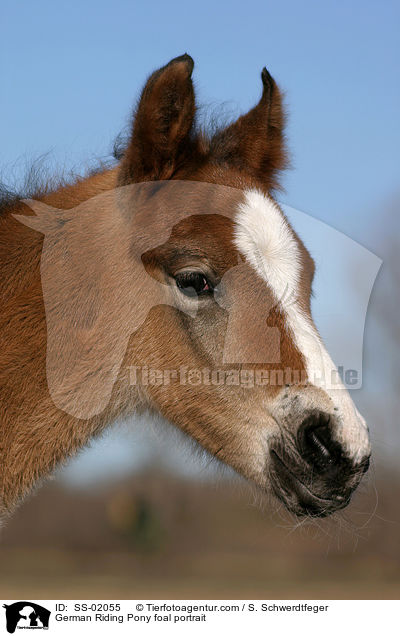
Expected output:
{"points": [[96, 275], [26, 615], [99, 283]]}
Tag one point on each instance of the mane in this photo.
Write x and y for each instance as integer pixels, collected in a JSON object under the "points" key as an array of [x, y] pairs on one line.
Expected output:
{"points": [[40, 179], [8, 199]]}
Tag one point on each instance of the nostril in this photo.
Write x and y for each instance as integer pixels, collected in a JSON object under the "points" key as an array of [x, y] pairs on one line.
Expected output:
{"points": [[316, 444], [316, 439]]}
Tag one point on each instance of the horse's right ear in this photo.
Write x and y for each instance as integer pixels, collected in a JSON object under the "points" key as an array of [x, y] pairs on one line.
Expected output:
{"points": [[255, 143], [161, 125]]}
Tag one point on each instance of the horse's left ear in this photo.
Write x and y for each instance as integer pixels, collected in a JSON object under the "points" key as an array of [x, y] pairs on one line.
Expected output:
{"points": [[162, 124], [255, 142]]}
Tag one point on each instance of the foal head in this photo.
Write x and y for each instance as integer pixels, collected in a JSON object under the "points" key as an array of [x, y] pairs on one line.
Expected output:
{"points": [[208, 294], [255, 385]]}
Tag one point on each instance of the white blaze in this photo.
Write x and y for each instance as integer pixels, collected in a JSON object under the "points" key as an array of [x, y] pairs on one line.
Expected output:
{"points": [[264, 237]]}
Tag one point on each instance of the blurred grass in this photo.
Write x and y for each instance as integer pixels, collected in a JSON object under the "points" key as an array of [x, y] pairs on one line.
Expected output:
{"points": [[156, 536]]}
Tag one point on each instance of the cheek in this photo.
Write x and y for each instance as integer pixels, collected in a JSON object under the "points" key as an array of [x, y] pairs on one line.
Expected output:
{"points": [[207, 330]]}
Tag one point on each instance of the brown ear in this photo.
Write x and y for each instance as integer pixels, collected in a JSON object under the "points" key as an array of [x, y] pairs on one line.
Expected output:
{"points": [[255, 142], [162, 124]]}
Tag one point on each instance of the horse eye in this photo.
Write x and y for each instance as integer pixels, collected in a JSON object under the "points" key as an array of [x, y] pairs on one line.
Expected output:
{"points": [[193, 284]]}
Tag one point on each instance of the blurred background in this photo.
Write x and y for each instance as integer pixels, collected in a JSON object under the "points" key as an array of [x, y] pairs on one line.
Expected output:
{"points": [[141, 513]]}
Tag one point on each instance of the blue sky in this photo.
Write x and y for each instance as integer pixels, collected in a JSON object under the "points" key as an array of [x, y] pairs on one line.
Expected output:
{"points": [[71, 72]]}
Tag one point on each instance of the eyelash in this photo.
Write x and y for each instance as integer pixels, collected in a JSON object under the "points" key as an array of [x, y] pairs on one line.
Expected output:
{"points": [[193, 284]]}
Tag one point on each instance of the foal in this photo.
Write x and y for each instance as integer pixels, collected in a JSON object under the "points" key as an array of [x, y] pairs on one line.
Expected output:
{"points": [[177, 263]]}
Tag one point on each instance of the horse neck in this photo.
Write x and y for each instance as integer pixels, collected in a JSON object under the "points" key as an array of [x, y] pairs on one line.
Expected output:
{"points": [[34, 435]]}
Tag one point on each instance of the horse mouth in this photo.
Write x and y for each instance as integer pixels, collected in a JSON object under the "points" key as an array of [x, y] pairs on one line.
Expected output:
{"points": [[298, 497]]}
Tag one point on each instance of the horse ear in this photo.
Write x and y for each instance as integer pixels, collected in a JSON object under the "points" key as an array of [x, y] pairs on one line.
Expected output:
{"points": [[255, 142], [162, 124]]}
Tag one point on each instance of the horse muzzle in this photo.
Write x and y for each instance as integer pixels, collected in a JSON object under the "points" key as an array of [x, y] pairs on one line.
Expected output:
{"points": [[312, 471]]}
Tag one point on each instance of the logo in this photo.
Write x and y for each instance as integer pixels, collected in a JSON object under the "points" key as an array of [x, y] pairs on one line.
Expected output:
{"points": [[97, 275], [26, 615]]}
